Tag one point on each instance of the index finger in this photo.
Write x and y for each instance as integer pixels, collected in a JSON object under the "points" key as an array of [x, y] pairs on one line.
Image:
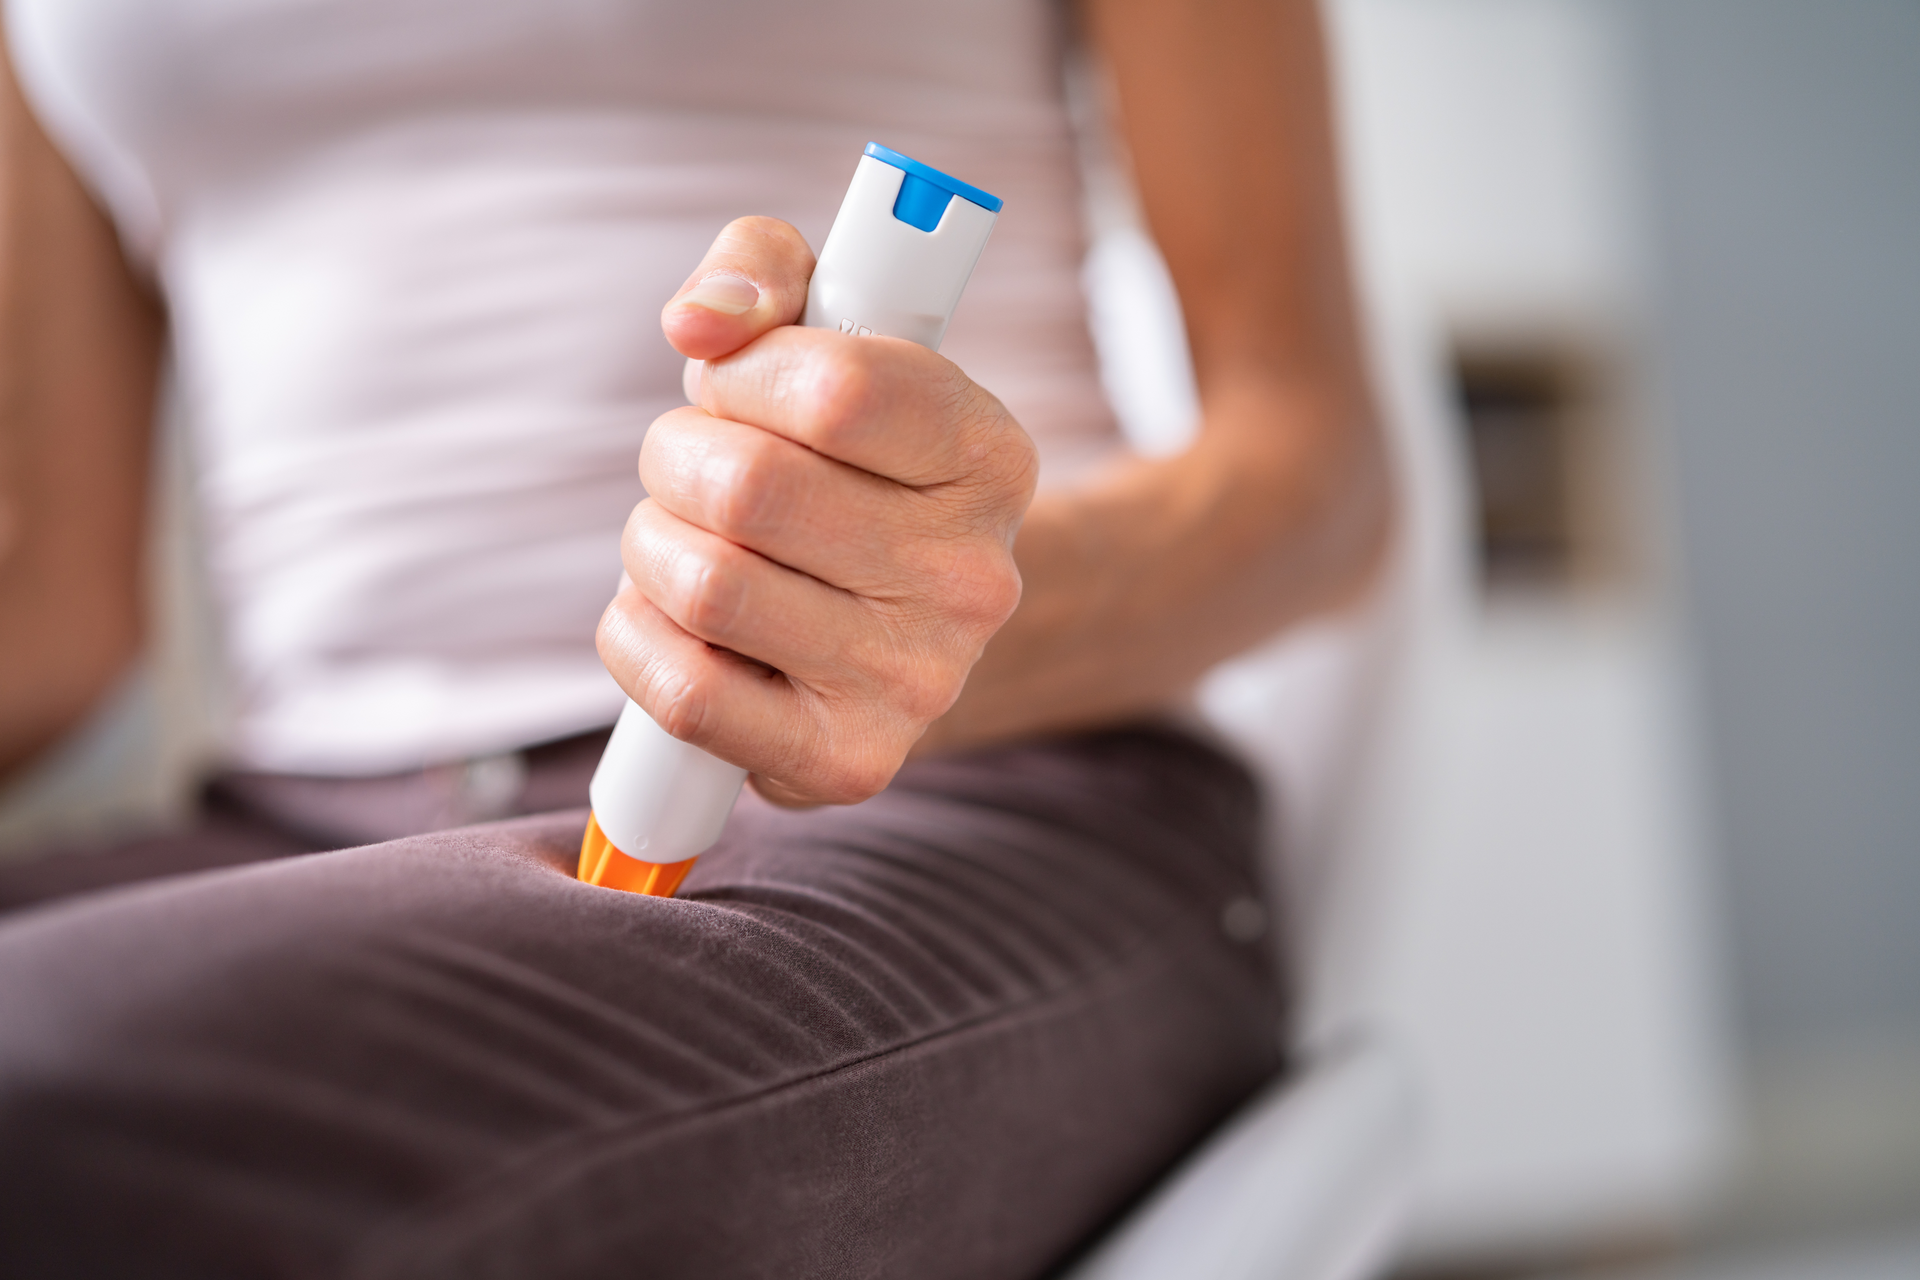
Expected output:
{"points": [[884, 405], [753, 279]]}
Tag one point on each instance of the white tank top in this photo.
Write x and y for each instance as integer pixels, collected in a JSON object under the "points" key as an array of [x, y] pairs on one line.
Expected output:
{"points": [[414, 253]]}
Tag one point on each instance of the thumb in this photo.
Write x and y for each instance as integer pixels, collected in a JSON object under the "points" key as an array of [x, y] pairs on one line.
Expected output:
{"points": [[753, 279]]}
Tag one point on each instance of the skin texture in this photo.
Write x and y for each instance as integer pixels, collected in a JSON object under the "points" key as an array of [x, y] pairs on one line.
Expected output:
{"points": [[1133, 584], [838, 564], [1138, 582], [79, 355], [827, 541]]}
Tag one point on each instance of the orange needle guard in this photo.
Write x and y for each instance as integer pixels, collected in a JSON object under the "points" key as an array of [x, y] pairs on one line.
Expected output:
{"points": [[606, 866]]}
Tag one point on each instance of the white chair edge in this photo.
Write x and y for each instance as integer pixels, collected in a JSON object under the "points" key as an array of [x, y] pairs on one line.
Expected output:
{"points": [[1308, 1181]]}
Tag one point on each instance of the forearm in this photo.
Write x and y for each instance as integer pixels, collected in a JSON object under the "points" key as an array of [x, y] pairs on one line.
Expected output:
{"points": [[1138, 582], [78, 374], [79, 353]]}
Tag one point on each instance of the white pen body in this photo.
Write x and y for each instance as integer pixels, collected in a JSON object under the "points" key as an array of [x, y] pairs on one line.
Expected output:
{"points": [[659, 799], [878, 274]]}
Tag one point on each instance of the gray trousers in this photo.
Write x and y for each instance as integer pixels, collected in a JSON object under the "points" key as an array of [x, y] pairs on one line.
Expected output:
{"points": [[948, 1032]]}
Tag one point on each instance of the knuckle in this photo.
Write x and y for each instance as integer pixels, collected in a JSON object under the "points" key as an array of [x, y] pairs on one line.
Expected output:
{"points": [[747, 499], [916, 680], [708, 593], [850, 753], [1009, 460], [840, 385], [671, 428], [856, 777], [982, 586], [996, 448], [924, 701], [682, 703], [614, 637]]}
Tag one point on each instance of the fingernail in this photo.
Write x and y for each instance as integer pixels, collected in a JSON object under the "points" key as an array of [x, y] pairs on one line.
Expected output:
{"points": [[729, 295]]}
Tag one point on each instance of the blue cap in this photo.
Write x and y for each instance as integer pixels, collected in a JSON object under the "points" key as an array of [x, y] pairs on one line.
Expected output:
{"points": [[925, 191]]}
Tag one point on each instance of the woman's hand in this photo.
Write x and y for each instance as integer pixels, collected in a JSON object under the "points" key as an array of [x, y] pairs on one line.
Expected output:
{"points": [[838, 508], [826, 545]]}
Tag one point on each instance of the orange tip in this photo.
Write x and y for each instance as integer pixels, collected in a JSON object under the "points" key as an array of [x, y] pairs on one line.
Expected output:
{"points": [[606, 866]]}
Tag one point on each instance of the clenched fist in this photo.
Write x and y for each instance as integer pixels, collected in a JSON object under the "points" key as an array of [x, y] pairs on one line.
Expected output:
{"points": [[827, 541]]}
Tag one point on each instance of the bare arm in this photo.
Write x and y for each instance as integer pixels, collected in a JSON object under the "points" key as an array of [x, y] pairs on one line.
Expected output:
{"points": [[1138, 582], [79, 353], [828, 540]]}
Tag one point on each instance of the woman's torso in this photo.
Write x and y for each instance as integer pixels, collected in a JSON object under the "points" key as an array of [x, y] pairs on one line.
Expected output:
{"points": [[414, 253]]}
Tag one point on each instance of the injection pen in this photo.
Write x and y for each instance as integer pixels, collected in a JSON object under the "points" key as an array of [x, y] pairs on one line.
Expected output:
{"points": [[895, 263]]}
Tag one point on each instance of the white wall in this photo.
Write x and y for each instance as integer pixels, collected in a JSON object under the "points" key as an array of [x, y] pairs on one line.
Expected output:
{"points": [[1491, 154], [1784, 149], [1549, 955]]}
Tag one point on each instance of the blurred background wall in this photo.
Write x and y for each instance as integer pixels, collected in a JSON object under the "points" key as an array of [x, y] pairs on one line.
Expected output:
{"points": [[1782, 181], [1549, 956], [1669, 254]]}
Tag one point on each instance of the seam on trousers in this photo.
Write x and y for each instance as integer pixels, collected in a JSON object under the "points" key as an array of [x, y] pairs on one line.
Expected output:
{"points": [[491, 1197]]}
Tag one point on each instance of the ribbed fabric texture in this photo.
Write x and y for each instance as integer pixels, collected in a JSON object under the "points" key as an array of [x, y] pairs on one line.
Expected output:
{"points": [[946, 1033]]}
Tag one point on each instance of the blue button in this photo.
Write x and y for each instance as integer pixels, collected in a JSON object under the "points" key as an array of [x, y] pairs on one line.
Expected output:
{"points": [[931, 175], [920, 203]]}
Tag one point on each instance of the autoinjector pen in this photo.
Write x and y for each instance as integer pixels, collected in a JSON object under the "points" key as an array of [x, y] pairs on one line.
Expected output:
{"points": [[895, 263]]}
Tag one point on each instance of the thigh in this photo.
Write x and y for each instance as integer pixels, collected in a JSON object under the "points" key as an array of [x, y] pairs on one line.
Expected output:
{"points": [[946, 1032], [254, 817]]}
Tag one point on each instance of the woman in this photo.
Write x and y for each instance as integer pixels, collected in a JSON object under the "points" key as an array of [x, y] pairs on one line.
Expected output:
{"points": [[406, 256]]}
